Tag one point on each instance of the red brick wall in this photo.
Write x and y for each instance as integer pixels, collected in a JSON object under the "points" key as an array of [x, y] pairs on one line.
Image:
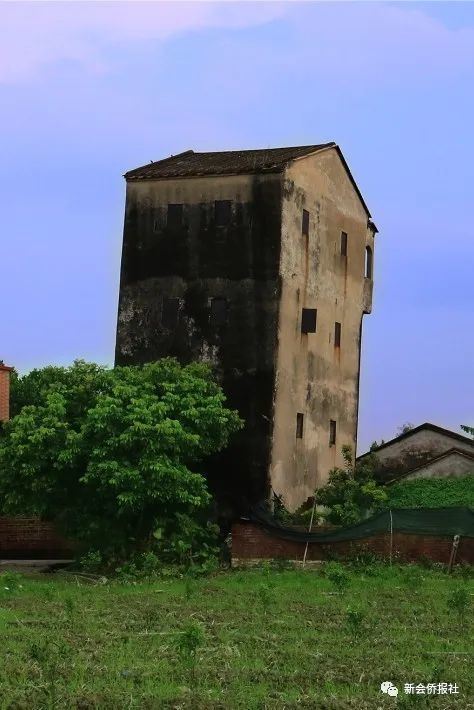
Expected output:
{"points": [[31, 538], [250, 541], [4, 393]]}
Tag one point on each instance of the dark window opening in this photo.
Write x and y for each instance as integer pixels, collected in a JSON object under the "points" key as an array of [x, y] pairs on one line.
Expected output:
{"points": [[368, 263], [305, 223], [299, 425], [169, 313], [308, 320], [219, 311], [337, 335], [343, 244], [223, 210], [175, 216], [332, 433], [203, 215]]}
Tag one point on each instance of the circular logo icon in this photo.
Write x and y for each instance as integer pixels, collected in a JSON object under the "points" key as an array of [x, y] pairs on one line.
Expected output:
{"points": [[388, 688]]}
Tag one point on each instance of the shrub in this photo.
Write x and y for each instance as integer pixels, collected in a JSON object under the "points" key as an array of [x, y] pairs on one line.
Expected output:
{"points": [[92, 561], [411, 577], [265, 595], [11, 581], [351, 491], [459, 602], [464, 571], [337, 575], [188, 643], [354, 620], [431, 493]]}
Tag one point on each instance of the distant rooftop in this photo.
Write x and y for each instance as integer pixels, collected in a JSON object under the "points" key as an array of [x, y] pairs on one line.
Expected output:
{"points": [[426, 426], [225, 162]]}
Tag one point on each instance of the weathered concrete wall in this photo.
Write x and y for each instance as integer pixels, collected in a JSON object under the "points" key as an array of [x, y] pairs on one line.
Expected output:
{"points": [[314, 376], [454, 464], [195, 262], [415, 450]]}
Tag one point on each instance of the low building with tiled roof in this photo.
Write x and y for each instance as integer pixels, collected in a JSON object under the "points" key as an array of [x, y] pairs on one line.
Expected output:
{"points": [[425, 451]]}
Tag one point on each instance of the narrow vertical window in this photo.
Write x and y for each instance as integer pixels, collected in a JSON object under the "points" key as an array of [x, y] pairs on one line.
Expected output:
{"points": [[332, 433], [368, 263], [343, 244], [169, 313], [305, 223], [337, 335], [218, 313], [223, 211], [308, 320], [174, 217], [299, 425]]}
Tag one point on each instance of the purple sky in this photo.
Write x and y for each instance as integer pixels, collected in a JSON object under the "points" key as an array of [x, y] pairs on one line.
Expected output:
{"points": [[88, 91]]}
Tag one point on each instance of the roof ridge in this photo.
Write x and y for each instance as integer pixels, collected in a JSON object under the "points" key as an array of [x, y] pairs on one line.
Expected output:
{"points": [[160, 162], [415, 430], [264, 150], [172, 157]]}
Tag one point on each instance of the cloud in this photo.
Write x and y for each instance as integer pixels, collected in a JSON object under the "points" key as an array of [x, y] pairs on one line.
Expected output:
{"points": [[349, 44], [356, 44], [34, 35]]}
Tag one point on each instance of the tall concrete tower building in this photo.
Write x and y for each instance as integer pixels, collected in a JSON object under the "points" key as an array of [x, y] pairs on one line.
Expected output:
{"points": [[259, 262]]}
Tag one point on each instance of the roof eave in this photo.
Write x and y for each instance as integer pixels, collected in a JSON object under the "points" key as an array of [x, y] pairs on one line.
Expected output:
{"points": [[261, 171]]}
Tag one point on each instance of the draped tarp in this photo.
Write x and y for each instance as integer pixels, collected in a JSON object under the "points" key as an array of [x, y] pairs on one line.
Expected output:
{"points": [[441, 522]]}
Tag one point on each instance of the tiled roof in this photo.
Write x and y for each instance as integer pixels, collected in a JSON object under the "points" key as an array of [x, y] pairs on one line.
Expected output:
{"points": [[426, 426], [189, 163]]}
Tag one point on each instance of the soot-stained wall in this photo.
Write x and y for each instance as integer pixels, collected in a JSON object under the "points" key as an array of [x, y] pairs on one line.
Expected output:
{"points": [[194, 261]]}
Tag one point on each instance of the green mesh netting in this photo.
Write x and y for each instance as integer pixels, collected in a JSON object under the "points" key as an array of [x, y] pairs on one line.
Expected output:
{"points": [[441, 522]]}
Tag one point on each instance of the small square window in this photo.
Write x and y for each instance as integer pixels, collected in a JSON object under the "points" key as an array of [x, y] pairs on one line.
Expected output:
{"points": [[308, 320], [305, 223], [337, 335], [219, 311], [332, 433], [169, 313], [343, 244], [175, 216], [299, 425], [223, 211]]}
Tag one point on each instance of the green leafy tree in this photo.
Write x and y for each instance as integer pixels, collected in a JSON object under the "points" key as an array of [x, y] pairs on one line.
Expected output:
{"points": [[376, 445], [468, 429], [113, 454], [351, 492], [405, 428]]}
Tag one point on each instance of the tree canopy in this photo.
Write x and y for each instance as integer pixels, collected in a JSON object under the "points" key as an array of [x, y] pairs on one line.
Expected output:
{"points": [[111, 454]]}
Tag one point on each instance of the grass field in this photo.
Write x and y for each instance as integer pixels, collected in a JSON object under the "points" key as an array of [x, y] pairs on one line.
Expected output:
{"points": [[243, 639]]}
